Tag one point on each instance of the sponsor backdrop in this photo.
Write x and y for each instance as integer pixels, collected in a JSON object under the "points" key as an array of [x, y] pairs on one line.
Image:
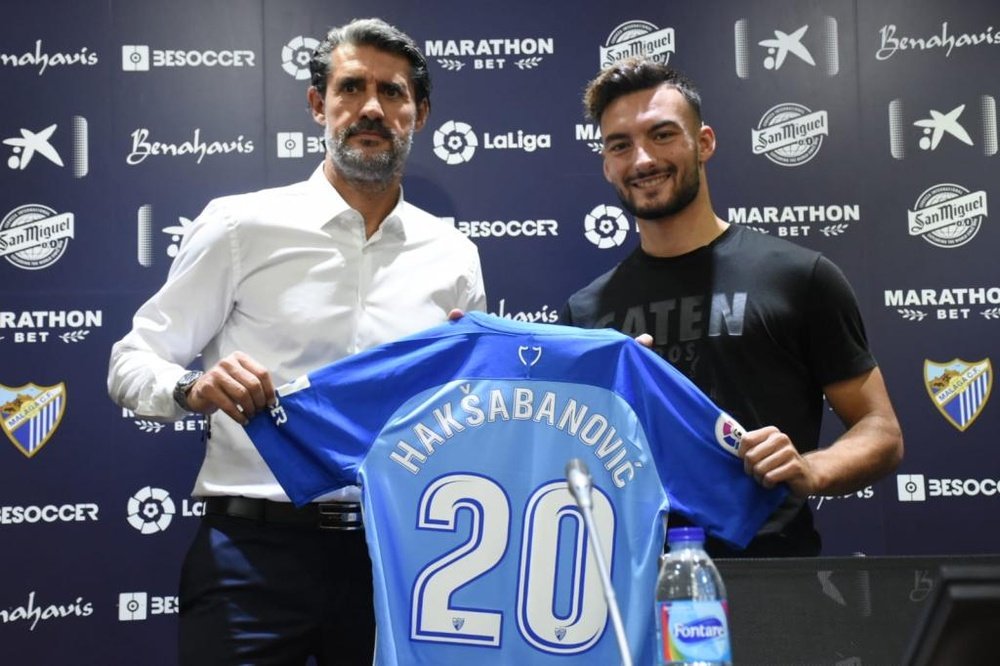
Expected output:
{"points": [[864, 129]]}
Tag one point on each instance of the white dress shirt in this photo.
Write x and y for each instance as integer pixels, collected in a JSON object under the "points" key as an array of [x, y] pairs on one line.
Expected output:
{"points": [[286, 276]]}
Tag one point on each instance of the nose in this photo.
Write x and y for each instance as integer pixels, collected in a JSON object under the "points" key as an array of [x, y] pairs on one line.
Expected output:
{"points": [[372, 107], [643, 158]]}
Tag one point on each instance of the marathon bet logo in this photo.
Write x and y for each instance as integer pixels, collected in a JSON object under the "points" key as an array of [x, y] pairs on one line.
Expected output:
{"points": [[140, 58], [295, 56], [489, 54], [150, 510], [590, 134], [781, 47], [43, 60], [638, 38], [947, 304], [455, 142], [143, 148], [37, 143], [947, 215], [794, 221], [34, 236], [606, 226], [959, 389], [790, 134], [939, 125], [30, 414], [39, 326]]}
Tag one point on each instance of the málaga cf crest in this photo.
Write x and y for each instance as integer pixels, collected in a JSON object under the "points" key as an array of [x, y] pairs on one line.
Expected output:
{"points": [[31, 414], [959, 389]]}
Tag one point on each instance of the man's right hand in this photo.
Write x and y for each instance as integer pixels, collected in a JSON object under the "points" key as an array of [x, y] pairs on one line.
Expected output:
{"points": [[236, 385]]}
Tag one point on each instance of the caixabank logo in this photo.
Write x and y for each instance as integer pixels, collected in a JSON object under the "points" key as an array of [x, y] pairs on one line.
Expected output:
{"points": [[34, 236], [489, 54], [30, 415], [763, 48], [455, 142], [790, 134], [944, 303], [971, 124], [638, 38], [176, 229], [55, 144], [947, 215], [959, 389]]}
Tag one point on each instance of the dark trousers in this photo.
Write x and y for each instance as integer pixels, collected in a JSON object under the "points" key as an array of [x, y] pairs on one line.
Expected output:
{"points": [[262, 593]]}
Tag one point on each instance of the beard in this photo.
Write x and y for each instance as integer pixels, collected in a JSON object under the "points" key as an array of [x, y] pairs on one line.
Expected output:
{"points": [[369, 170], [687, 190]]}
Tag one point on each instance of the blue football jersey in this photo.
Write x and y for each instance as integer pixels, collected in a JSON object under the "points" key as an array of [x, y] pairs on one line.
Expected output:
{"points": [[459, 438]]}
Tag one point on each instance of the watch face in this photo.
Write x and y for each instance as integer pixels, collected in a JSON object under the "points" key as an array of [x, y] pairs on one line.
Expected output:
{"points": [[189, 378]]}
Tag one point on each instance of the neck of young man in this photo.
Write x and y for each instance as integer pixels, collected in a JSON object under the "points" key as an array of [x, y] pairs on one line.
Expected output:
{"points": [[695, 226], [373, 200]]}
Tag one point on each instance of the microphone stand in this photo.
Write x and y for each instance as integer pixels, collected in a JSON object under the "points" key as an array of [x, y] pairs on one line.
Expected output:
{"points": [[579, 480]]}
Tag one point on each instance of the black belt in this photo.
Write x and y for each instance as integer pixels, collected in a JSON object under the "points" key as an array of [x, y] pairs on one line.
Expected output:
{"points": [[321, 515]]}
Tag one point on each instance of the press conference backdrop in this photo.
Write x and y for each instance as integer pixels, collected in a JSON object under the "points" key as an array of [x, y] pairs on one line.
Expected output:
{"points": [[865, 129]]}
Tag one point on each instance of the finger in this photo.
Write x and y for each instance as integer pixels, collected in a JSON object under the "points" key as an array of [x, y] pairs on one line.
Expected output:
{"points": [[217, 392], [455, 314], [257, 381], [645, 339]]}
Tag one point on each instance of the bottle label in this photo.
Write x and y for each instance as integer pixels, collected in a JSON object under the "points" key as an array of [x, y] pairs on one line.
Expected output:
{"points": [[692, 631]]}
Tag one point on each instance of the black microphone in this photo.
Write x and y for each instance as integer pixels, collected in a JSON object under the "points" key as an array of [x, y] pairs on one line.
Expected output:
{"points": [[580, 486]]}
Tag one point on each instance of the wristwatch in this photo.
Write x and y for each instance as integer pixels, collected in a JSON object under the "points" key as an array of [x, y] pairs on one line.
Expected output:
{"points": [[184, 385]]}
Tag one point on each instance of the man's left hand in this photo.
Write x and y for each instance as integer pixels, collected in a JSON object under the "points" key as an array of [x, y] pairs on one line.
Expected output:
{"points": [[770, 457]]}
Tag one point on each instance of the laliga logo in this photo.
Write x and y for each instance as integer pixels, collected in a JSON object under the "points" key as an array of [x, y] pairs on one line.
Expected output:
{"points": [[455, 142], [150, 510], [295, 56], [728, 433], [606, 226]]}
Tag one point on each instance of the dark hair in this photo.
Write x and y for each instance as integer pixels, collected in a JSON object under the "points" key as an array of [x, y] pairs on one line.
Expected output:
{"points": [[372, 32], [631, 75]]}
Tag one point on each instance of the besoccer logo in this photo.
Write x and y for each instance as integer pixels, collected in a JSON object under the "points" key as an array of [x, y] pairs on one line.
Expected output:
{"points": [[135, 58], [295, 56], [455, 142], [911, 487], [132, 606], [150, 510], [606, 226]]}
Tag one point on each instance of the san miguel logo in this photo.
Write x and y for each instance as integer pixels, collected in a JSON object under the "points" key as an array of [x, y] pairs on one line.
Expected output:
{"points": [[947, 215], [31, 414], [638, 38], [790, 134], [959, 389], [34, 236]]}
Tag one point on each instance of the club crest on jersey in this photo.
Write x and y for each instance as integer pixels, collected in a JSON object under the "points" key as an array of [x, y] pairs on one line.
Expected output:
{"points": [[529, 359], [728, 433], [560, 633], [31, 414], [959, 389], [458, 623]]}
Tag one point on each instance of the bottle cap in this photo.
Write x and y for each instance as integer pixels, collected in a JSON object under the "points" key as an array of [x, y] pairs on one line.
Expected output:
{"points": [[679, 534]]}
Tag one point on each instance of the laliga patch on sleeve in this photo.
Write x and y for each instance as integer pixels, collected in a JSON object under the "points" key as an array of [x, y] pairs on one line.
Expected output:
{"points": [[728, 433]]}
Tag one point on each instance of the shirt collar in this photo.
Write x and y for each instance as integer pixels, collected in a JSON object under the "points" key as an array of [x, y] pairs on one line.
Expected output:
{"points": [[330, 205]]}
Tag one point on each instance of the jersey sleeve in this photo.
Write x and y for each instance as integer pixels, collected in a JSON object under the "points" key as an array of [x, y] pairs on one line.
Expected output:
{"points": [[837, 343], [694, 445]]}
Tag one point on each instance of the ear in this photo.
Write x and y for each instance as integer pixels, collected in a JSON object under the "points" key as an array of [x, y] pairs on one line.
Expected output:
{"points": [[706, 142], [423, 112], [316, 105]]}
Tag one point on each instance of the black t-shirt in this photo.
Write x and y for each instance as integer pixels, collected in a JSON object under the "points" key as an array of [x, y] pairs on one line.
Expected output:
{"points": [[758, 323]]}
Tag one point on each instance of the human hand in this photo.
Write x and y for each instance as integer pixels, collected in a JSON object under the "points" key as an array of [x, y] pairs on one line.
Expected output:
{"points": [[237, 385], [455, 314], [645, 339], [770, 457]]}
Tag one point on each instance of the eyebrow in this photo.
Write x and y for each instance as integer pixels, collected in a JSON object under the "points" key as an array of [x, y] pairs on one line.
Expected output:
{"points": [[618, 136]]}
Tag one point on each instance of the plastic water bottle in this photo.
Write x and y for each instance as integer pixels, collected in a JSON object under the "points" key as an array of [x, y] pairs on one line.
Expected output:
{"points": [[691, 624]]}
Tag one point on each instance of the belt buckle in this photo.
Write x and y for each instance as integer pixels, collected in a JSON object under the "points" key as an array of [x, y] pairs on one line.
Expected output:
{"points": [[344, 516]]}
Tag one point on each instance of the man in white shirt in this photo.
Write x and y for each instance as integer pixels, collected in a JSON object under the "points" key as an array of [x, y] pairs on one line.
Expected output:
{"points": [[268, 286]]}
